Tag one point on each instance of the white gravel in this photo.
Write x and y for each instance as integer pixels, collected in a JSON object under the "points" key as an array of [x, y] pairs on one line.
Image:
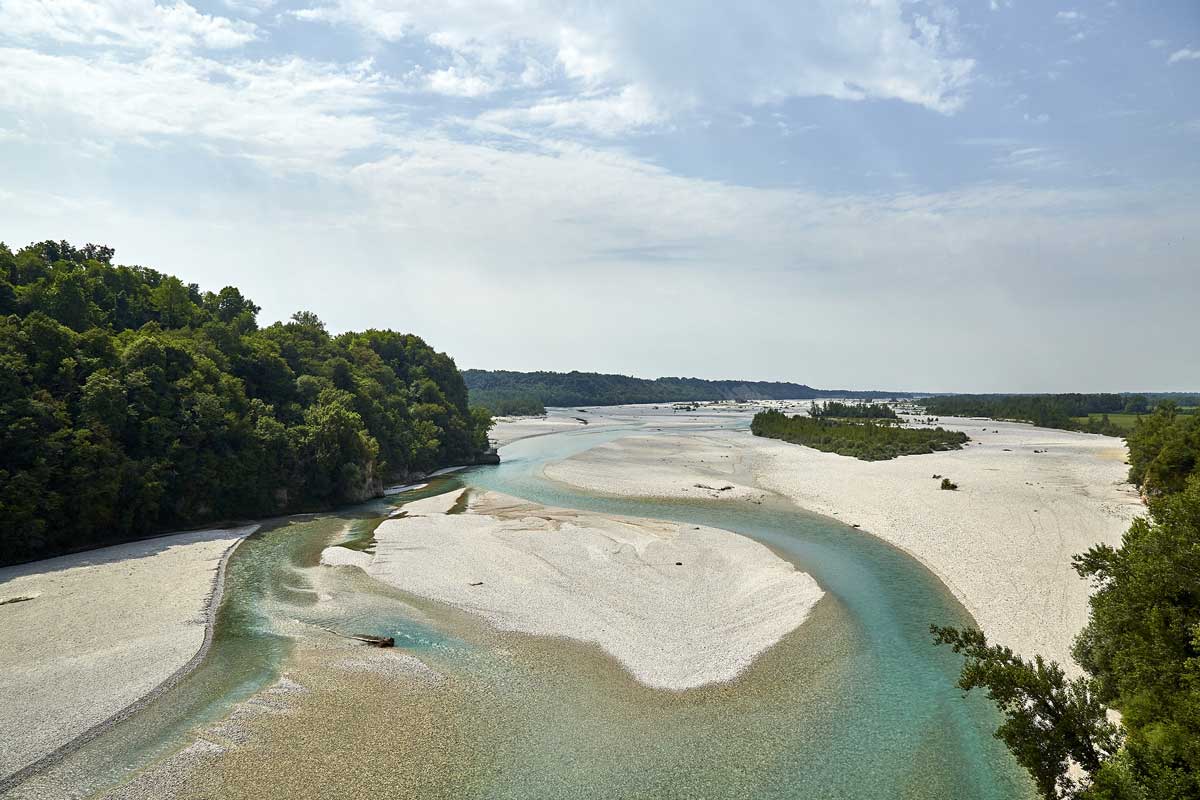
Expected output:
{"points": [[1002, 543], [679, 606], [103, 629]]}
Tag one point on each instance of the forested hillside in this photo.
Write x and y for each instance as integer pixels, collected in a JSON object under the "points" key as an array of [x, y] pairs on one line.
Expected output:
{"points": [[1140, 649], [132, 402], [505, 392]]}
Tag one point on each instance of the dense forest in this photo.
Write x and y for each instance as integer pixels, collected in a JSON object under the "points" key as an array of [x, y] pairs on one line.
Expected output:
{"points": [[1140, 650], [1086, 412], [132, 403], [835, 410], [506, 392], [869, 440]]}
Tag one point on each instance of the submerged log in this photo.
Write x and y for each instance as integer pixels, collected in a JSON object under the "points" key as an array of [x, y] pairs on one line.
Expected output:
{"points": [[367, 638], [375, 641]]}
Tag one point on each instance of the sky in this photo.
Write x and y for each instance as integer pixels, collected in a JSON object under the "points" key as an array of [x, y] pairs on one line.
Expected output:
{"points": [[977, 196]]}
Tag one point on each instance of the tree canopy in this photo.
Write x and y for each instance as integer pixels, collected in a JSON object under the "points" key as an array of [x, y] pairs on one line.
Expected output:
{"points": [[1164, 449], [132, 402], [835, 410], [869, 439], [1140, 650]]}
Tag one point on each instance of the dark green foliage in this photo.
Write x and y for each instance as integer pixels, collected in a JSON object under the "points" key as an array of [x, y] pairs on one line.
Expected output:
{"points": [[835, 410], [494, 389], [1140, 649], [1142, 644], [131, 402], [1049, 720], [1164, 450], [948, 485], [508, 403], [868, 440]]}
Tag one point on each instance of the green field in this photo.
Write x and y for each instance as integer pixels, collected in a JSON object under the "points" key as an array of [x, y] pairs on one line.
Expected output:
{"points": [[1125, 422], [1121, 420]]}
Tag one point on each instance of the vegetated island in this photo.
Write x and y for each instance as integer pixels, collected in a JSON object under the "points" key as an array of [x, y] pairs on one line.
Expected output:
{"points": [[865, 438], [517, 393], [133, 403], [836, 410]]}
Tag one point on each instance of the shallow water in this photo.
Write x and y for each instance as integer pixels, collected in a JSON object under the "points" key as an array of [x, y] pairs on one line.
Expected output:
{"points": [[886, 719], [856, 703]]}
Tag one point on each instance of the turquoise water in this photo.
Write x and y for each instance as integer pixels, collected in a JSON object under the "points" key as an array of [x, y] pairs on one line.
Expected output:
{"points": [[268, 589], [892, 723], [857, 704]]}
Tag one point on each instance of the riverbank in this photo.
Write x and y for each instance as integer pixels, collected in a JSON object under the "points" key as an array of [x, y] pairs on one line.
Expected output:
{"points": [[1028, 499], [679, 606], [99, 633]]}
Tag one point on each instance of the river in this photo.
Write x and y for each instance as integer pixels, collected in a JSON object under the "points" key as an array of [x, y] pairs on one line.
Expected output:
{"points": [[855, 704]]}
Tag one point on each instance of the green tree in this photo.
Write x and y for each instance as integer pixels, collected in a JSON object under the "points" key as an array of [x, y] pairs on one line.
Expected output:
{"points": [[130, 402], [1140, 650], [1050, 721], [173, 302]]}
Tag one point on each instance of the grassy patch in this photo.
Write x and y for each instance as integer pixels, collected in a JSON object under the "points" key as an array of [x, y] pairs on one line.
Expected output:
{"points": [[1122, 421]]}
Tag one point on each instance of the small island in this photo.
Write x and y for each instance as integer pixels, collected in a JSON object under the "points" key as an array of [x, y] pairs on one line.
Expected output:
{"points": [[869, 438]]}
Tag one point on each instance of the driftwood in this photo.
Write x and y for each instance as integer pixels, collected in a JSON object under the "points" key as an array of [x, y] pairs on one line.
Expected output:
{"points": [[374, 641]]}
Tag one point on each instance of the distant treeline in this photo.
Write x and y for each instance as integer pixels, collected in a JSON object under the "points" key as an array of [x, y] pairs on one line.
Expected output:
{"points": [[1140, 650], [835, 410], [1054, 410], [867, 440], [132, 403], [504, 392]]}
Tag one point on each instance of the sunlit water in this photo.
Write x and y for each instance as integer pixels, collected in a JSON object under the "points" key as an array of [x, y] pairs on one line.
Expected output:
{"points": [[856, 704]]}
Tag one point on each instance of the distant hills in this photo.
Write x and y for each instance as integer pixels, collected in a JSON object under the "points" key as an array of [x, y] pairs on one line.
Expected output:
{"points": [[505, 392]]}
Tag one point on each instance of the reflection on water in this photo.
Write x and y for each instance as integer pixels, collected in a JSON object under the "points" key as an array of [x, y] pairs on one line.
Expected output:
{"points": [[854, 704]]}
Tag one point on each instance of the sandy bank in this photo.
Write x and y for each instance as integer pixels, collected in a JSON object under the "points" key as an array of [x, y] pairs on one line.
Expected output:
{"points": [[1002, 543], [510, 429], [679, 606], [103, 629]]}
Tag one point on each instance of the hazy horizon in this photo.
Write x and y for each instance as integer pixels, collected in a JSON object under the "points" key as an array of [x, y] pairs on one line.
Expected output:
{"points": [[857, 388], [968, 197]]}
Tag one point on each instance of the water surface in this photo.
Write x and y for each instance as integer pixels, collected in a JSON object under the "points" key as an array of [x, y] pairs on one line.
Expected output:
{"points": [[855, 704]]}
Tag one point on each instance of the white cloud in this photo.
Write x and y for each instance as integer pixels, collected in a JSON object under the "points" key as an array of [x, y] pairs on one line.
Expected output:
{"points": [[515, 225], [127, 23], [518, 237], [1069, 16], [249, 6], [682, 59], [289, 112], [1031, 158], [1186, 54], [609, 114], [1157, 44], [458, 82]]}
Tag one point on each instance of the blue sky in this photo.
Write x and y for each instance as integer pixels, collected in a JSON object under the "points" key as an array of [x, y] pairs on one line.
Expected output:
{"points": [[929, 195]]}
